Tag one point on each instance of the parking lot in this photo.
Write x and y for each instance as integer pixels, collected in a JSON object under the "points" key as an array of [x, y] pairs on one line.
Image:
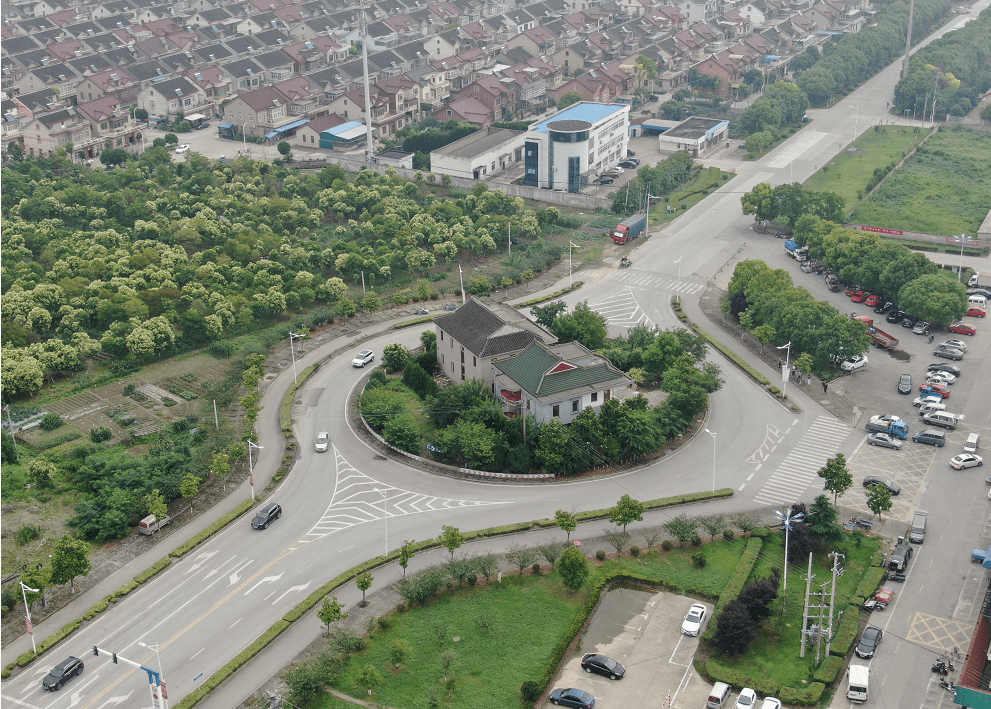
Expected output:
{"points": [[642, 631]]}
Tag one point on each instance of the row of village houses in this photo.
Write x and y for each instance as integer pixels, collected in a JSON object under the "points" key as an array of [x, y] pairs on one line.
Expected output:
{"points": [[71, 81]]}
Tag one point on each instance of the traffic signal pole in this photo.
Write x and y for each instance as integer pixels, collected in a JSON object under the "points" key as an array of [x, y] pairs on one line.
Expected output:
{"points": [[159, 693]]}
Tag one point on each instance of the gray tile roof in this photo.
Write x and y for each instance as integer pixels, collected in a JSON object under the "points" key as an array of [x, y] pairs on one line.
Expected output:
{"points": [[485, 334]]}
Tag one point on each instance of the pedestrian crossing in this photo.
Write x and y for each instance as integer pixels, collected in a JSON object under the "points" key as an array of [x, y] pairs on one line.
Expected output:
{"points": [[622, 310], [798, 471], [643, 279]]}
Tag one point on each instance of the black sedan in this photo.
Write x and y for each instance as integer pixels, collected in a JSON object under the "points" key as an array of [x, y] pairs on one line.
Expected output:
{"points": [[603, 180], [572, 698], [602, 665], [909, 321], [629, 164], [872, 480], [905, 384], [882, 308], [62, 673], [895, 316], [869, 642], [945, 367]]}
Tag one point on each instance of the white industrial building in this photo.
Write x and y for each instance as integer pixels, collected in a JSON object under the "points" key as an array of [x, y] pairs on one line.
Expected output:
{"points": [[563, 151], [696, 135], [480, 155]]}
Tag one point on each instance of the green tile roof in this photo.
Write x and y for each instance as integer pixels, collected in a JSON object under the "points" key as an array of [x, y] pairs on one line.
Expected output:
{"points": [[531, 369]]}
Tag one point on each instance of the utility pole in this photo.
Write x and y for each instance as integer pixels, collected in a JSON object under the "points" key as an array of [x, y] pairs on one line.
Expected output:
{"points": [[908, 39], [805, 613], [369, 147], [821, 627], [837, 572]]}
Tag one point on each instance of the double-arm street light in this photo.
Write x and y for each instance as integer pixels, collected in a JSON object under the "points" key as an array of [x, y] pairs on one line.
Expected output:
{"points": [[251, 467], [293, 336], [713, 434], [784, 372], [27, 609], [244, 136]]}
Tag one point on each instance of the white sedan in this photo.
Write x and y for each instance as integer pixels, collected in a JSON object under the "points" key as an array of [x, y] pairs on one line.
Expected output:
{"points": [[747, 699], [941, 378], [770, 703], [693, 621], [182, 149], [966, 460], [929, 399], [362, 358], [959, 344], [854, 363]]}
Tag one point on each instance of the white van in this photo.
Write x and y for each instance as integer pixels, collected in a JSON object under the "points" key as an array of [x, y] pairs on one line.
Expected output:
{"points": [[718, 696], [941, 418], [973, 443], [931, 408], [979, 300], [857, 691]]}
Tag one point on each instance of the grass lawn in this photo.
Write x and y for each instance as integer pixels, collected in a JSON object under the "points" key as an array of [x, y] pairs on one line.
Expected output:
{"points": [[775, 653], [879, 146], [531, 615], [945, 188], [529, 619]]}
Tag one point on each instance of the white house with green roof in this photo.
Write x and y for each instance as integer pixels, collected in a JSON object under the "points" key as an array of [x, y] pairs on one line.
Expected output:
{"points": [[556, 382]]}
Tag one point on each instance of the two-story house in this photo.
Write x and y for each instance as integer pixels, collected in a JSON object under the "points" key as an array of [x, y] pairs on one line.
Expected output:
{"points": [[173, 96], [110, 82], [47, 132], [110, 125], [216, 86]]}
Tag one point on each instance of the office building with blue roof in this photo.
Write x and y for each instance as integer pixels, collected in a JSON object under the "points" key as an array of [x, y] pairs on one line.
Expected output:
{"points": [[563, 151]]}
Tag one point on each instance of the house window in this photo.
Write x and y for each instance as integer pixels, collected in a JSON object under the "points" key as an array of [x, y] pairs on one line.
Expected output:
{"points": [[442, 358], [450, 113], [556, 411], [462, 355], [574, 406], [441, 335], [474, 361], [595, 396], [527, 404]]}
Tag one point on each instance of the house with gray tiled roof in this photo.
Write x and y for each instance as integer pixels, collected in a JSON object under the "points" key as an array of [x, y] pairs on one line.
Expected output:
{"points": [[16, 45], [555, 382], [473, 335], [246, 74], [167, 98], [61, 77]]}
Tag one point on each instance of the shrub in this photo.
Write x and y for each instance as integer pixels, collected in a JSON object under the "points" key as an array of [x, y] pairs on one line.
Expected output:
{"points": [[667, 545], [698, 560], [634, 550], [222, 348], [530, 691], [696, 540], [401, 608], [535, 569], [50, 422], [99, 434], [385, 622], [28, 533], [729, 535], [828, 670], [760, 532], [600, 555]]}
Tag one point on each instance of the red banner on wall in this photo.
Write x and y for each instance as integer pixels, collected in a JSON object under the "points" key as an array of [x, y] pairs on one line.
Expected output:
{"points": [[879, 230]]}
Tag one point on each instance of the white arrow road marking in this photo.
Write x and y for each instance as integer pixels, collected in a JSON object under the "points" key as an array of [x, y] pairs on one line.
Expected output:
{"points": [[267, 579], [202, 559], [116, 700], [215, 571], [30, 684], [235, 577], [19, 702], [294, 588], [76, 698]]}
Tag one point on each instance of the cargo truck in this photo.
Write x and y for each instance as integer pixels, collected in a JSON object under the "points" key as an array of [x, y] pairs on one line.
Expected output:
{"points": [[880, 338], [979, 280], [799, 253], [150, 525], [894, 428], [629, 228]]}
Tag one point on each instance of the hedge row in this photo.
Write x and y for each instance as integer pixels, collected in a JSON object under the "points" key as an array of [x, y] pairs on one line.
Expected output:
{"points": [[285, 411], [847, 633], [411, 323], [829, 669], [741, 573], [552, 296], [233, 666], [720, 673], [657, 504], [869, 582], [732, 356], [806, 696]]}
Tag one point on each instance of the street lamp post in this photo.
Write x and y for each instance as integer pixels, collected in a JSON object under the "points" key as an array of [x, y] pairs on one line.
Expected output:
{"points": [[963, 240], [784, 372], [713, 434], [27, 609], [679, 276], [244, 136], [161, 675], [570, 272], [856, 121], [251, 467], [787, 520], [293, 336]]}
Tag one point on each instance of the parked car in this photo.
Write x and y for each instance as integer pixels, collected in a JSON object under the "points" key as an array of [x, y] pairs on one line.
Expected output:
{"points": [[940, 389], [930, 437], [976, 312], [602, 665], [872, 480], [747, 699], [869, 642], [613, 171], [859, 297], [628, 164], [924, 399], [854, 363], [948, 353], [362, 358], [960, 328], [693, 621], [958, 344], [851, 289], [62, 672], [921, 328], [895, 316], [571, 697], [905, 384], [966, 460], [884, 308], [182, 149], [945, 367], [635, 161], [323, 442], [770, 703], [909, 321], [631, 153], [603, 180], [873, 301], [884, 440], [266, 515], [940, 378]]}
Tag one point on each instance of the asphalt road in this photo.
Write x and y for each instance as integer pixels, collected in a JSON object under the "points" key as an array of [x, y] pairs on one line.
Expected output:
{"points": [[211, 605]]}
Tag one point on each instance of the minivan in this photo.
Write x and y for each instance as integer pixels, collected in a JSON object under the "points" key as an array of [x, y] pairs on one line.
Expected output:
{"points": [[941, 418], [858, 675], [979, 300], [917, 532], [718, 696], [930, 437], [973, 443], [931, 408]]}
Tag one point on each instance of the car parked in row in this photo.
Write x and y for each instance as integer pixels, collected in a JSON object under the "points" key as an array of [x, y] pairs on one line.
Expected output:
{"points": [[938, 389], [921, 328], [959, 328], [940, 378], [869, 642], [859, 297], [884, 440], [594, 663], [895, 316], [909, 321], [604, 180], [945, 367], [976, 312], [629, 165], [872, 480], [873, 301], [854, 363], [693, 621], [884, 308], [958, 344], [572, 697], [948, 353]]}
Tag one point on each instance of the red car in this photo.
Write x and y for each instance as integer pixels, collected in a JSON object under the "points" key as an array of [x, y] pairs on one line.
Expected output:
{"points": [[977, 312], [872, 301], [940, 389], [851, 290], [961, 329], [859, 297]]}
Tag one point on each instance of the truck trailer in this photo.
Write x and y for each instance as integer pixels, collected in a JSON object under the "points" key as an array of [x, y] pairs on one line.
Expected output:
{"points": [[799, 253], [629, 228]]}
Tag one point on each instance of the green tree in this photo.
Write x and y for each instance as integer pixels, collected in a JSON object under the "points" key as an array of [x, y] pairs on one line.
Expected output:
{"points": [[764, 334], [646, 70], [189, 487], [545, 315], [399, 650], [567, 521], [70, 559], [364, 582], [395, 357], [368, 678], [836, 476], [627, 510], [285, 150], [639, 432], [760, 202], [406, 552], [331, 612], [402, 432], [681, 527], [582, 325], [154, 503], [552, 446], [570, 98], [821, 521], [451, 539], [804, 362], [573, 567], [422, 384], [37, 578], [935, 298], [114, 156], [878, 499], [371, 302], [42, 473], [713, 524]]}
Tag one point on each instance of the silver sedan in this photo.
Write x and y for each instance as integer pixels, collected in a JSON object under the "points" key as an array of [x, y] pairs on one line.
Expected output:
{"points": [[884, 440]]}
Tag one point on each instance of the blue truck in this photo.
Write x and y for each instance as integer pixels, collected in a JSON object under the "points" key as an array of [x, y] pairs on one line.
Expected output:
{"points": [[885, 425]]}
